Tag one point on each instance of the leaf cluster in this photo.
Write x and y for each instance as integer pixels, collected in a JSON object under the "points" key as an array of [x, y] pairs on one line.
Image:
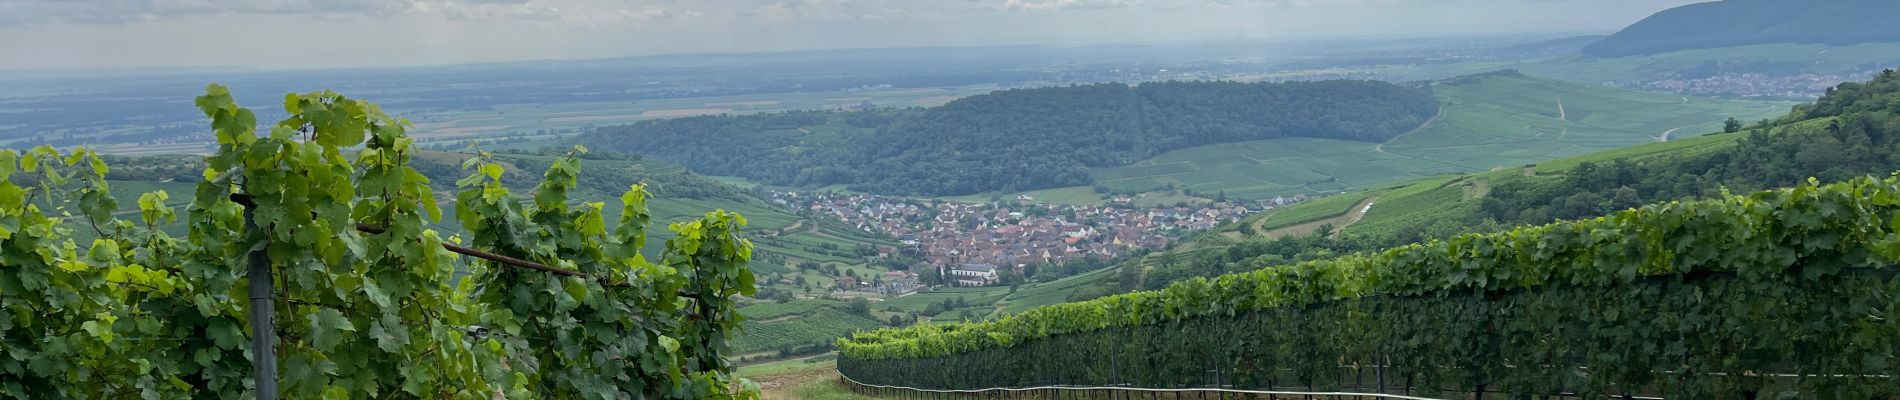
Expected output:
{"points": [[1808, 232], [385, 312]]}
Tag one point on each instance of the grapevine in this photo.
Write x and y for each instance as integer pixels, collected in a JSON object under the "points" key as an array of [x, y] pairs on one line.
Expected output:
{"points": [[383, 312], [1784, 290]]}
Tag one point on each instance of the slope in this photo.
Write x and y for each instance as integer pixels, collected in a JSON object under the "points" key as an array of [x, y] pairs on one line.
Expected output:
{"points": [[1488, 121], [1847, 134]]}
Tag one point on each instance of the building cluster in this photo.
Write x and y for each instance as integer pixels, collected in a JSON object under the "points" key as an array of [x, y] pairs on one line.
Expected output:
{"points": [[974, 243], [1757, 86], [892, 283]]}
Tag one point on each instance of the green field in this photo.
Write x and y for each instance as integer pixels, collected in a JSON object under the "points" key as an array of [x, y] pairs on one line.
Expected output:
{"points": [[1492, 122]]}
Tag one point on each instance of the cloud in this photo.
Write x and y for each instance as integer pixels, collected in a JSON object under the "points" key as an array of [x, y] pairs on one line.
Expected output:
{"points": [[1050, 5], [826, 10], [115, 11], [52, 12]]}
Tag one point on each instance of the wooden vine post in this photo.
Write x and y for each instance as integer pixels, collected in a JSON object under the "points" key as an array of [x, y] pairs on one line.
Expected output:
{"points": [[263, 310]]}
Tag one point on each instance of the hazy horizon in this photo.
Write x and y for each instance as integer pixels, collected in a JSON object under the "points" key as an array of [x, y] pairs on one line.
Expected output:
{"points": [[52, 35]]}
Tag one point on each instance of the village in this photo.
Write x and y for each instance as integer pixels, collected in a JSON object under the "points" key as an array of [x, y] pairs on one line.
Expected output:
{"points": [[976, 244]]}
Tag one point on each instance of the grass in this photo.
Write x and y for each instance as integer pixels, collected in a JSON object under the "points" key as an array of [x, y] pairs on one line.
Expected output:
{"points": [[810, 378], [1493, 122], [787, 366]]}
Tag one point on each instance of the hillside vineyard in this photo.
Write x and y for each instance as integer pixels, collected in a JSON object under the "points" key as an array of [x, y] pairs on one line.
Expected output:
{"points": [[1777, 290]]}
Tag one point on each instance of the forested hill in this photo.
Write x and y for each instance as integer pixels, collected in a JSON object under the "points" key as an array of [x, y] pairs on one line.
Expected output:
{"points": [[1750, 22], [1019, 139]]}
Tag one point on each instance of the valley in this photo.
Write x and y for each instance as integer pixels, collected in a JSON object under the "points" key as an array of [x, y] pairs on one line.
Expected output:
{"points": [[1022, 199]]}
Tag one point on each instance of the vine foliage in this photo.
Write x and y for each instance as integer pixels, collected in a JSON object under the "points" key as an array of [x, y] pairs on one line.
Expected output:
{"points": [[1779, 291], [383, 312]]}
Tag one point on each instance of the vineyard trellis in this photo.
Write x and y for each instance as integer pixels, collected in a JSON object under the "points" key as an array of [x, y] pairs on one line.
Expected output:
{"points": [[1780, 292], [370, 303]]}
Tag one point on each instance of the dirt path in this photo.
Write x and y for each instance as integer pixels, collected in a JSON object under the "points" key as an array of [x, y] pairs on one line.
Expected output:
{"points": [[1665, 135], [1340, 222], [784, 386], [1560, 109], [781, 318], [1428, 123], [791, 228]]}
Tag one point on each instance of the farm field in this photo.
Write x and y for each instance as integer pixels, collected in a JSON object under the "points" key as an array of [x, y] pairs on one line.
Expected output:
{"points": [[1489, 122], [535, 125], [527, 119]]}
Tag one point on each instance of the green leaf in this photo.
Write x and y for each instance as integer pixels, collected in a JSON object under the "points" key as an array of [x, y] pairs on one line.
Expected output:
{"points": [[325, 328]]}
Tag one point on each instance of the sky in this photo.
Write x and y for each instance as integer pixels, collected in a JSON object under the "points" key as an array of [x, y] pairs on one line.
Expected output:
{"points": [[109, 34]]}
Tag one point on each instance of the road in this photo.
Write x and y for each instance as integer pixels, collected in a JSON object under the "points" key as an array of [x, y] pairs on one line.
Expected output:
{"points": [[1428, 123], [1665, 134]]}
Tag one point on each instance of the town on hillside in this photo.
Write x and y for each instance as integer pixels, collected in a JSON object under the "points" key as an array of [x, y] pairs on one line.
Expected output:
{"points": [[973, 244]]}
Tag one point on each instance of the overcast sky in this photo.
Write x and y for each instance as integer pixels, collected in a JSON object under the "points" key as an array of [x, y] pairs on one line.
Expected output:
{"points": [[338, 33]]}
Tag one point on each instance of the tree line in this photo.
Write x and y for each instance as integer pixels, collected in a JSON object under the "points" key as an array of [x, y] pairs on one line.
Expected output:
{"points": [[1018, 139]]}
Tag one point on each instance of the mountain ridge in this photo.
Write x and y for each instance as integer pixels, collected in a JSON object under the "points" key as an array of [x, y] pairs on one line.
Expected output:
{"points": [[1732, 23]]}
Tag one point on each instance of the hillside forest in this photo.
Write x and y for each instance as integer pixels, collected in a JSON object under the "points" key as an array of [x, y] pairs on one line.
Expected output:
{"points": [[1020, 139]]}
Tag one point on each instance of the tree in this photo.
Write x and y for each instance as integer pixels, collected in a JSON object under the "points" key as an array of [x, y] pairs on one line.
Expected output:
{"points": [[1129, 275], [858, 305], [1732, 125]]}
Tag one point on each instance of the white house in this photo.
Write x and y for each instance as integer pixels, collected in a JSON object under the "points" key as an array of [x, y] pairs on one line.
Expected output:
{"points": [[974, 274]]}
